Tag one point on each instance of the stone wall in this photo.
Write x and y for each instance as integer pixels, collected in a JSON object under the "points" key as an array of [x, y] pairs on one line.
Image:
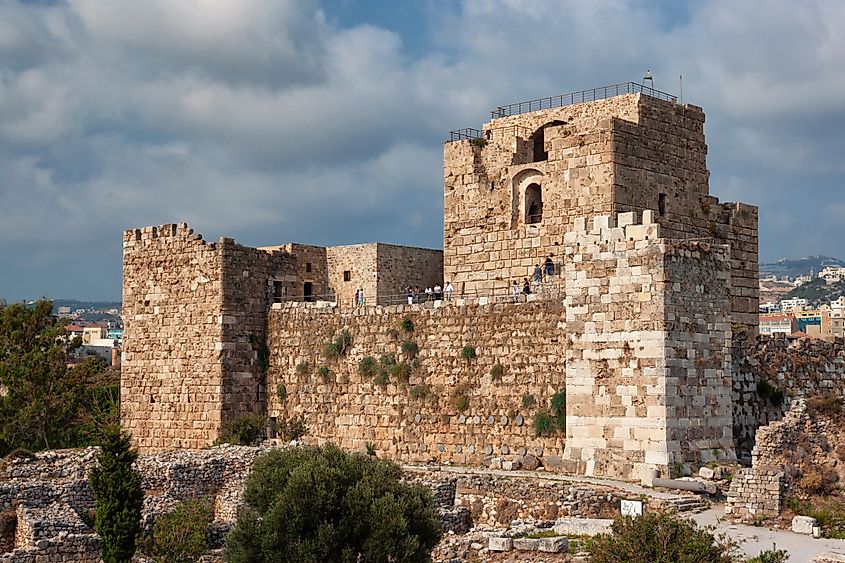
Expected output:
{"points": [[648, 363], [626, 153], [401, 266], [361, 261], [194, 322], [755, 493], [798, 367], [405, 424]]}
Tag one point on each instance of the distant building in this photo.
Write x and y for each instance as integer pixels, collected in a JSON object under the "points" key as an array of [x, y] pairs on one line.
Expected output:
{"points": [[771, 324], [794, 304], [832, 274], [115, 334], [837, 322], [815, 323], [64, 311], [74, 330], [770, 307]]}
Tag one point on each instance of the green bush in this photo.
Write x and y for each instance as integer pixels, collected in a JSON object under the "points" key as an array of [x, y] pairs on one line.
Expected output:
{"points": [[243, 430], [407, 324], [773, 555], [468, 353], [118, 496], [367, 367], [387, 361], [324, 373], [370, 448], [496, 372], [528, 401], [338, 347], [420, 391], [659, 538], [544, 424], [558, 405], [401, 372], [281, 392], [764, 388], [179, 536], [303, 369], [321, 504], [410, 348], [292, 428], [459, 397], [382, 379]]}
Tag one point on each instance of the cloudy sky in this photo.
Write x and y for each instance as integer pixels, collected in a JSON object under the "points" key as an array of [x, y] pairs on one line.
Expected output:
{"points": [[322, 121]]}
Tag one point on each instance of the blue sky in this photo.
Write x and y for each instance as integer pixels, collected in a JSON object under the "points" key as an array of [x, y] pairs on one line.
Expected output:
{"points": [[323, 122]]}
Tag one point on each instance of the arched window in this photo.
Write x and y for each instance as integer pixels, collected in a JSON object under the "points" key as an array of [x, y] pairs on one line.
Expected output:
{"points": [[533, 204]]}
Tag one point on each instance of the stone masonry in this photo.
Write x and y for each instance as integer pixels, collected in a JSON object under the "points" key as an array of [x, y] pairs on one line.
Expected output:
{"points": [[512, 195], [636, 332]]}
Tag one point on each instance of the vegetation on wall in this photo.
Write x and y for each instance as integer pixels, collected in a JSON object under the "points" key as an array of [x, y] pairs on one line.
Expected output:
{"points": [[338, 347], [468, 353], [180, 535], [770, 392], [322, 504], [242, 430], [420, 391], [407, 324], [496, 372]]}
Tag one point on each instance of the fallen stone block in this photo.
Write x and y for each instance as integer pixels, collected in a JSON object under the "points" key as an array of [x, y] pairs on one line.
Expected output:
{"points": [[500, 544], [706, 473], [525, 544], [803, 525], [553, 545]]}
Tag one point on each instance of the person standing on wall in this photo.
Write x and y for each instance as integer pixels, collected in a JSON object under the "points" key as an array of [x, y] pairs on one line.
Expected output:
{"points": [[449, 290], [549, 267], [438, 292], [515, 291]]}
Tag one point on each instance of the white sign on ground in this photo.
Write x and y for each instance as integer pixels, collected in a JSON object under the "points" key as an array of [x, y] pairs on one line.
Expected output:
{"points": [[632, 507]]}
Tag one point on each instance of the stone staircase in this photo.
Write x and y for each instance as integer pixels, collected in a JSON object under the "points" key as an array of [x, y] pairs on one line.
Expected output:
{"points": [[689, 503]]}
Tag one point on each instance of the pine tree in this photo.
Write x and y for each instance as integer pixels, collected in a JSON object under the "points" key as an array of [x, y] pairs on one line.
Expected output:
{"points": [[118, 496]]}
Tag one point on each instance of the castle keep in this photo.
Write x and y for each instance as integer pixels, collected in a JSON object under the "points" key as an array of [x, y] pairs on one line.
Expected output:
{"points": [[632, 330]]}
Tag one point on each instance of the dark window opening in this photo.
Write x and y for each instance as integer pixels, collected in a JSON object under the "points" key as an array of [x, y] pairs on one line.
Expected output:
{"points": [[533, 204], [308, 291], [308, 267], [152, 399], [278, 291], [661, 204], [347, 276], [539, 138], [272, 427]]}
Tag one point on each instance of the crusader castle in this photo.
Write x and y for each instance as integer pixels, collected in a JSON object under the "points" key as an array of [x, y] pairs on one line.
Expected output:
{"points": [[653, 276]]}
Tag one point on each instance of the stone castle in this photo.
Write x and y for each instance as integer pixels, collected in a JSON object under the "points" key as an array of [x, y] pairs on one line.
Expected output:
{"points": [[634, 325]]}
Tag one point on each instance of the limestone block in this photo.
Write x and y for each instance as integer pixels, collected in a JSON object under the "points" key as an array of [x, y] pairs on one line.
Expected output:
{"points": [[553, 545], [706, 473], [525, 544], [500, 544], [803, 525]]}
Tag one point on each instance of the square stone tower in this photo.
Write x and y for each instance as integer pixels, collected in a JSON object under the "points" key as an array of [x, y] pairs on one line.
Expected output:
{"points": [[513, 188]]}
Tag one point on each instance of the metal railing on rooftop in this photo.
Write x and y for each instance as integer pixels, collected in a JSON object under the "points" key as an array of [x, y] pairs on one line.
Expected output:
{"points": [[466, 133], [581, 97]]}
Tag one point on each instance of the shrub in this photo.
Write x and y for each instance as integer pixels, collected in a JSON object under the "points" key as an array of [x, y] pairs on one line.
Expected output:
{"points": [[410, 348], [321, 504], [117, 496], [179, 536], [459, 398], [243, 430], [367, 367], [401, 372], [828, 404], [338, 347], [387, 361], [544, 424], [370, 448], [496, 372], [420, 391], [659, 537], [818, 480], [324, 373], [407, 324], [773, 555], [382, 379], [303, 369], [20, 453], [468, 353], [829, 511], [281, 392], [480, 142], [392, 333], [764, 388], [558, 405], [528, 401], [292, 428]]}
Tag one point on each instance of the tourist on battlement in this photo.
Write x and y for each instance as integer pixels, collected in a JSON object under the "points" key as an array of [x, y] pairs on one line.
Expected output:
{"points": [[428, 293], [526, 287], [449, 290], [410, 292], [515, 291], [549, 267], [438, 292], [537, 276]]}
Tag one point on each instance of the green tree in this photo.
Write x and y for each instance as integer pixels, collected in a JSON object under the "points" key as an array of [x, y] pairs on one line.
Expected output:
{"points": [[40, 398], [310, 504], [117, 496], [659, 538], [179, 536]]}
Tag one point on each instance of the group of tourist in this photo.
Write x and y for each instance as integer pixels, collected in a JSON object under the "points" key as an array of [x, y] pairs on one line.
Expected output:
{"points": [[436, 293], [538, 276]]}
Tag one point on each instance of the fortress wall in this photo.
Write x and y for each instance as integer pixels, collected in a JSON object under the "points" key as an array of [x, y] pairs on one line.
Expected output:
{"points": [[646, 380], [171, 375], [401, 266], [361, 261], [248, 275], [527, 339], [800, 368]]}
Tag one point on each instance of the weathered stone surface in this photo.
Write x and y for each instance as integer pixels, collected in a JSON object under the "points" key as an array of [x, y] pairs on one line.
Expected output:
{"points": [[553, 545], [803, 525], [526, 544], [706, 473], [500, 544]]}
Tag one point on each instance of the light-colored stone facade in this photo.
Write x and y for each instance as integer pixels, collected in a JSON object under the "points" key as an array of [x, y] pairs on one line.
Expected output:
{"points": [[648, 363], [511, 196]]}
